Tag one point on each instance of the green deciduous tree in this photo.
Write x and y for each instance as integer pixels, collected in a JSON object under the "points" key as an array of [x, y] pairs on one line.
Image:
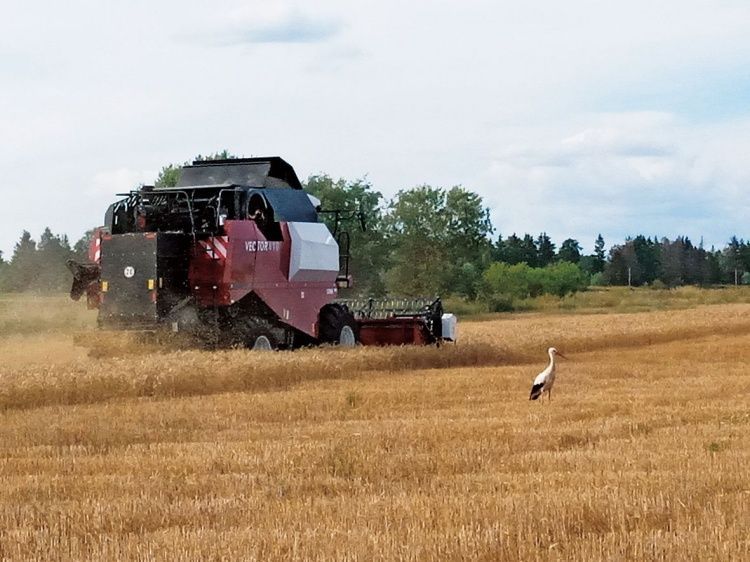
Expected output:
{"points": [[562, 278], [433, 234], [468, 225], [417, 235], [506, 280], [521, 281], [170, 174], [368, 247]]}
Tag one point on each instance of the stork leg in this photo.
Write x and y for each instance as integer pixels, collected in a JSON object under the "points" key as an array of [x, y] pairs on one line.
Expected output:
{"points": [[549, 395]]}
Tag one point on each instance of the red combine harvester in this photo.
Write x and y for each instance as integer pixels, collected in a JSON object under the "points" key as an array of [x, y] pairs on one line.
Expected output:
{"points": [[236, 255]]}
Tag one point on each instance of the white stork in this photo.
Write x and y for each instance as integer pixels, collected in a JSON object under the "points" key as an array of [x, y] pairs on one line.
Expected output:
{"points": [[544, 380]]}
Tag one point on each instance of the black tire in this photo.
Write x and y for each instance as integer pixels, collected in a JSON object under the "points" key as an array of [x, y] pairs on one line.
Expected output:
{"points": [[336, 325]]}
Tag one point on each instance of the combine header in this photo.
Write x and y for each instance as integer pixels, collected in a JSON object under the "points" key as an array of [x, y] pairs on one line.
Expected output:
{"points": [[236, 255], [400, 321]]}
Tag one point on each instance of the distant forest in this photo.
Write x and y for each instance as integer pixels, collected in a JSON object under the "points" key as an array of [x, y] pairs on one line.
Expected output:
{"points": [[435, 241]]}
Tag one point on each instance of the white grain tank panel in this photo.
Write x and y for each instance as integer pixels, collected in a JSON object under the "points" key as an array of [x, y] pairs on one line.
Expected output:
{"points": [[450, 327], [315, 253]]}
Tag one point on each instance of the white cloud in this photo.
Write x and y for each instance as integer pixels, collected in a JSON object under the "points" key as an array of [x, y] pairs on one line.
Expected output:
{"points": [[625, 174], [520, 101], [263, 24]]}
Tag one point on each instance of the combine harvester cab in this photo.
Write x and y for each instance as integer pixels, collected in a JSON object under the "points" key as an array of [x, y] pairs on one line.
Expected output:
{"points": [[236, 255]]}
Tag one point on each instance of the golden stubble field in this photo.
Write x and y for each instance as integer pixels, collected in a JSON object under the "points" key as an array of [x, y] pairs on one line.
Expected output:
{"points": [[381, 454]]}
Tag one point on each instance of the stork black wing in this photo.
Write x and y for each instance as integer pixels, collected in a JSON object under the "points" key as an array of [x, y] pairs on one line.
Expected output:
{"points": [[536, 391]]}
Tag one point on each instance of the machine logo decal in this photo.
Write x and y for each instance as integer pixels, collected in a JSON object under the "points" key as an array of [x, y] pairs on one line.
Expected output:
{"points": [[129, 272], [262, 246]]}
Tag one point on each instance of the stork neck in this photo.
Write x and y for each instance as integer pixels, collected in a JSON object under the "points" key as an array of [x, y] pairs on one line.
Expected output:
{"points": [[551, 360]]}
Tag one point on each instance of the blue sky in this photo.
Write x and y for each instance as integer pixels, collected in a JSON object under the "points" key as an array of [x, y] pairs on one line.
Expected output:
{"points": [[574, 118]]}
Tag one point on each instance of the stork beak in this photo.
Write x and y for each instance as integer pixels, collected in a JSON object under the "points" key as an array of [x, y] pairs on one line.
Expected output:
{"points": [[561, 355]]}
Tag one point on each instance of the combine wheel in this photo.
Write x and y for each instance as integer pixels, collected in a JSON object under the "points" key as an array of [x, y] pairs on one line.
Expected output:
{"points": [[337, 325], [262, 343]]}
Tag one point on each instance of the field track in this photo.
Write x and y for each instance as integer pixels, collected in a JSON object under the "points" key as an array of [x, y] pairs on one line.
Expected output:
{"points": [[402, 453]]}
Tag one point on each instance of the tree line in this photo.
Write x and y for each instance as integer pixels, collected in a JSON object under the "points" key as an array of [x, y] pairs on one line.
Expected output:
{"points": [[40, 266], [430, 240], [439, 241]]}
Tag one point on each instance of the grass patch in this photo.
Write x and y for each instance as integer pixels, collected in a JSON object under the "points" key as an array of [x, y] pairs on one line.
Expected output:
{"points": [[603, 300]]}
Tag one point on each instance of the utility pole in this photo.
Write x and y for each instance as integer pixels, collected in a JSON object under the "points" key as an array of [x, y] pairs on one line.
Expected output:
{"points": [[629, 276]]}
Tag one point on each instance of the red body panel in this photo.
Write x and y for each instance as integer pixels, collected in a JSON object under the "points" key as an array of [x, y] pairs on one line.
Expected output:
{"points": [[226, 269], [392, 331]]}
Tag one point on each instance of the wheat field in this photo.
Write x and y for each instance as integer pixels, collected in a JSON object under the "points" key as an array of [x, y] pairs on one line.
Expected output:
{"points": [[150, 453]]}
